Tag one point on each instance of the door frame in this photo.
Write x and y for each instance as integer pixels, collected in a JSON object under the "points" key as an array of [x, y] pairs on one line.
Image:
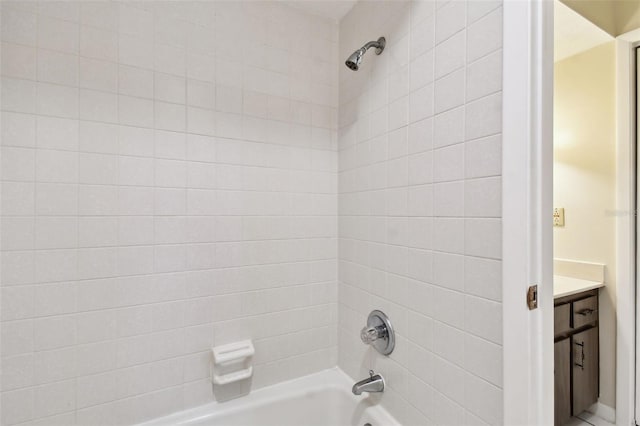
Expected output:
{"points": [[627, 402], [527, 188]]}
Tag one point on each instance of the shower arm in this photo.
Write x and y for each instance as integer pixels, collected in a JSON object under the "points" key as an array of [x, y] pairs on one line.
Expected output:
{"points": [[378, 44]]}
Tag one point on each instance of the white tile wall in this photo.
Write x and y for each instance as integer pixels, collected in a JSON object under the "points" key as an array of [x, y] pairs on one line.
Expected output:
{"points": [[420, 205], [169, 176]]}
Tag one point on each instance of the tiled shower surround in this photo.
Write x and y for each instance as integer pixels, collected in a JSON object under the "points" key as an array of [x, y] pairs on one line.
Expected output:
{"points": [[420, 205], [169, 183], [182, 174]]}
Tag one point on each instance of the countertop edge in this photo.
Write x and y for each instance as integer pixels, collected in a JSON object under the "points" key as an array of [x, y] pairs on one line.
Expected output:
{"points": [[572, 286]]}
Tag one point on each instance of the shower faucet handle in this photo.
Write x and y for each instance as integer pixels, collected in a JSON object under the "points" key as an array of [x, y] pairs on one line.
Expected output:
{"points": [[379, 333], [369, 335]]}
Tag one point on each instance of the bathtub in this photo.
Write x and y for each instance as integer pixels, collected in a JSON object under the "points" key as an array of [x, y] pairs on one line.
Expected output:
{"points": [[320, 399]]}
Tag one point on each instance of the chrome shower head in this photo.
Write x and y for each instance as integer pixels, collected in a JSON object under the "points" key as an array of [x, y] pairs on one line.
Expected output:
{"points": [[353, 61]]}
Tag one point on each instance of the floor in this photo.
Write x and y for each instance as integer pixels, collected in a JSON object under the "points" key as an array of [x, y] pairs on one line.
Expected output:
{"points": [[586, 419]]}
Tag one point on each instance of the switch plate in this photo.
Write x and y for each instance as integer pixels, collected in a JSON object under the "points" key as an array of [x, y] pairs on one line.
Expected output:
{"points": [[558, 216]]}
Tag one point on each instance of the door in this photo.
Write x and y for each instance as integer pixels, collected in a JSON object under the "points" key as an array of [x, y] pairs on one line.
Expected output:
{"points": [[562, 379], [585, 369]]}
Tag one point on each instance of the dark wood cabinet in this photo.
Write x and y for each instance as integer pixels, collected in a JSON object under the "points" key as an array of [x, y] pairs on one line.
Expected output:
{"points": [[576, 354], [585, 369]]}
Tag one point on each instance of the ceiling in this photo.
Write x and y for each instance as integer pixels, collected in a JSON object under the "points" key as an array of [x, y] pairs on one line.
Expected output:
{"points": [[332, 9], [574, 33]]}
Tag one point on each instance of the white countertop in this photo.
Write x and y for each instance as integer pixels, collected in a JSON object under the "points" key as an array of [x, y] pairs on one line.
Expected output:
{"points": [[567, 286]]}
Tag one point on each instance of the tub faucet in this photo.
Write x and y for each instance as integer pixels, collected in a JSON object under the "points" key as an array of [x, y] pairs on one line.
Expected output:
{"points": [[374, 383]]}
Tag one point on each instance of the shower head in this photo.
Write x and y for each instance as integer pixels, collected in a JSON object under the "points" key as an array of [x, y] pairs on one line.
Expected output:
{"points": [[353, 61]]}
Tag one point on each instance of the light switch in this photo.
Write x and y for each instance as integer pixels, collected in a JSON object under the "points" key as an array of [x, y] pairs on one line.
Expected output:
{"points": [[558, 216]]}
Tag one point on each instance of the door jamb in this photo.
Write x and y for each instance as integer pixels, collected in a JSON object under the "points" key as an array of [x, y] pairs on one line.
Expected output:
{"points": [[626, 326], [527, 187]]}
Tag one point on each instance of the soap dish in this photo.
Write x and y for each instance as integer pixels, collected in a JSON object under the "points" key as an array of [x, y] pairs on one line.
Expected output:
{"points": [[232, 362]]}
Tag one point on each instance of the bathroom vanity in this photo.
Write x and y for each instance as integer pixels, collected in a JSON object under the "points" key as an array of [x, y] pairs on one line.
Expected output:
{"points": [[576, 346]]}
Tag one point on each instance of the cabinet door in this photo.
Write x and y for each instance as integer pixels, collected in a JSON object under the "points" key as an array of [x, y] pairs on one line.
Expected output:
{"points": [[562, 377], [585, 369]]}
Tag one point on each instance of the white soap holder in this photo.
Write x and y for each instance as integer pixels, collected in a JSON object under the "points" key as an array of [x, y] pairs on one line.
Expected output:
{"points": [[232, 362]]}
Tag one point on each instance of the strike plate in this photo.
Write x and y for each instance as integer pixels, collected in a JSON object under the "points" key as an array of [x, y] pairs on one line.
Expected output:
{"points": [[532, 297]]}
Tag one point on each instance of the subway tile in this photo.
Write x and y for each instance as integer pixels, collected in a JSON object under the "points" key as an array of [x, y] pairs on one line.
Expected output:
{"points": [[54, 398], [484, 76], [56, 232], [18, 233], [18, 164], [421, 136], [422, 70], [17, 337], [136, 82], [56, 166], [100, 15], [58, 34], [17, 373], [450, 55], [53, 199], [19, 26], [449, 91], [18, 404], [97, 74], [449, 380], [18, 199], [483, 277], [135, 52], [449, 235], [58, 101], [56, 265], [18, 129], [485, 35], [421, 103], [54, 365], [58, 68], [422, 34], [54, 332], [450, 19], [449, 342], [98, 43], [19, 61], [484, 359], [18, 95], [57, 133], [483, 237], [61, 10], [483, 197], [484, 157], [98, 137], [448, 127], [448, 163], [483, 399], [483, 318], [169, 88]]}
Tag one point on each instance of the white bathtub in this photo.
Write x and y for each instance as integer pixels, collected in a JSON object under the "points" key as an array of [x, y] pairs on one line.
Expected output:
{"points": [[320, 399]]}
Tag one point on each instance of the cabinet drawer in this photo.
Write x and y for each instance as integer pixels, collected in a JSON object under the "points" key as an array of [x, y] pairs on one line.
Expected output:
{"points": [[561, 318], [585, 311]]}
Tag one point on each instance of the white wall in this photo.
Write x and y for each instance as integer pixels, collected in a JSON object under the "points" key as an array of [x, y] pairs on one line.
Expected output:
{"points": [[420, 205], [168, 183], [585, 181]]}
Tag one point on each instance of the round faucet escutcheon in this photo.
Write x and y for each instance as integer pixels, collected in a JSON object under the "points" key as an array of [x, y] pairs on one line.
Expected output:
{"points": [[379, 333]]}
